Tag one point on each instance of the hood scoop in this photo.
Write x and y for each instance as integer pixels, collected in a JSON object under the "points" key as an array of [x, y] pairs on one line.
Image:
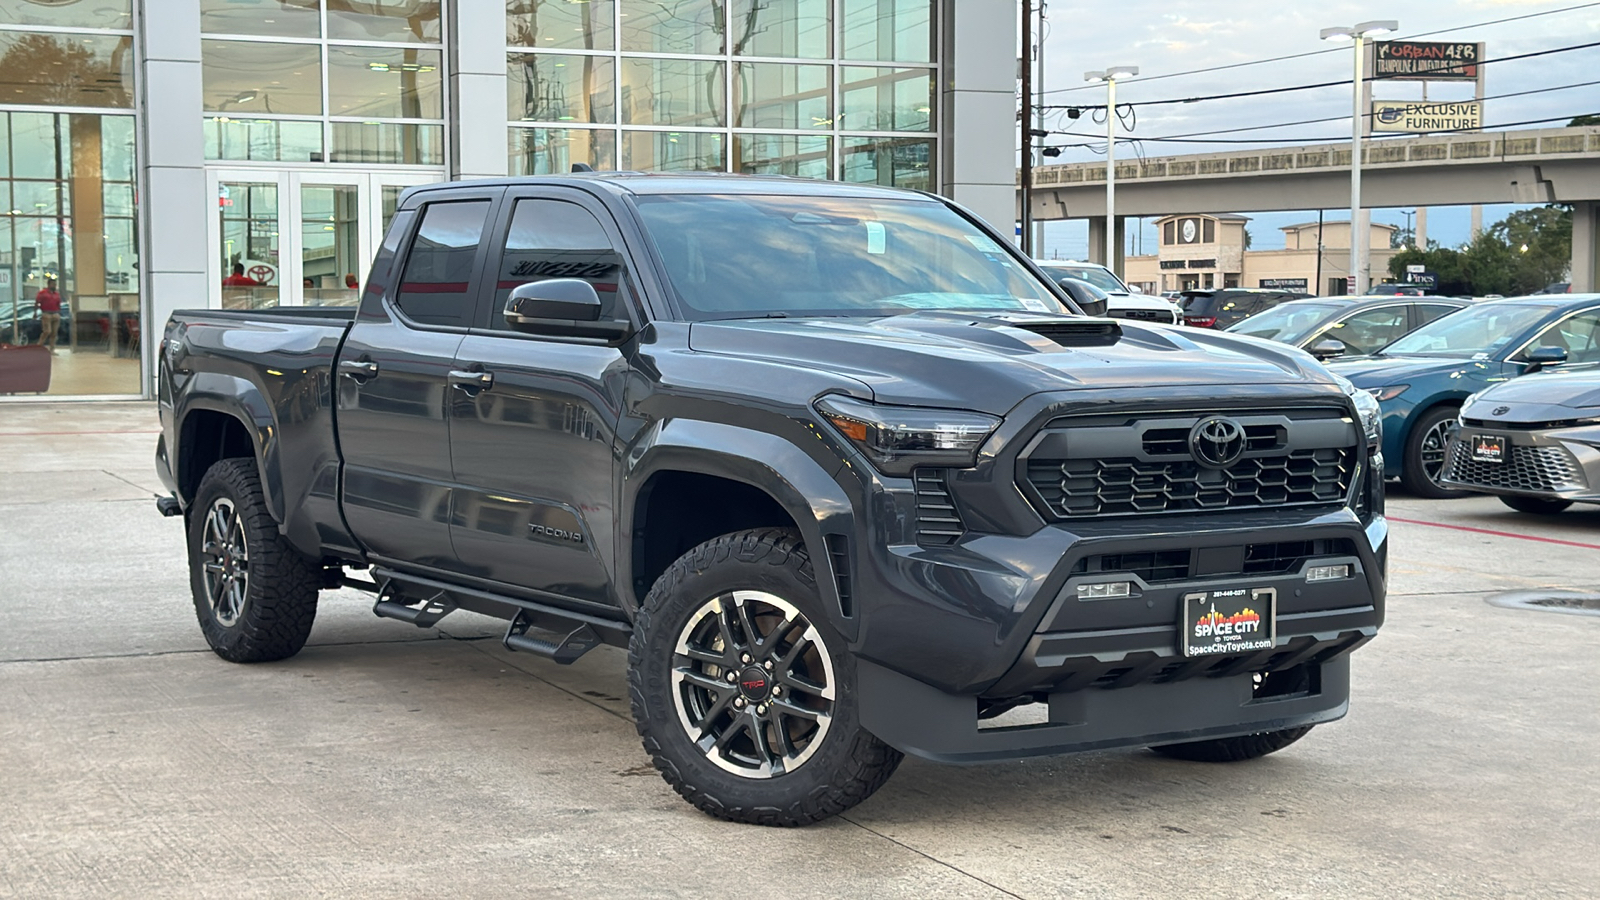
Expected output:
{"points": [[1083, 333]]}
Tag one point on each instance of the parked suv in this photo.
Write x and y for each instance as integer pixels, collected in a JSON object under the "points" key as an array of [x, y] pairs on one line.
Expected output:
{"points": [[1121, 302], [1223, 307], [848, 476]]}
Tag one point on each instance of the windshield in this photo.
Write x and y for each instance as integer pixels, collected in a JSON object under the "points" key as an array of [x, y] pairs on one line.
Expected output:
{"points": [[1477, 329], [1095, 275], [735, 256], [1287, 323]]}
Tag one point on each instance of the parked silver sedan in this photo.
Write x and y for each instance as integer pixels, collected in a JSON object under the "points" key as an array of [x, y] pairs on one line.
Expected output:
{"points": [[1534, 441]]}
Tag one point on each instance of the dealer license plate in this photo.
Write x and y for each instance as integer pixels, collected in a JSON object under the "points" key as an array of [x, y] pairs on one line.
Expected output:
{"points": [[1235, 620], [1488, 448]]}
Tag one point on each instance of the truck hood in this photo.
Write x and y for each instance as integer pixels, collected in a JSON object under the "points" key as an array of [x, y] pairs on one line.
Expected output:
{"points": [[990, 361], [1380, 371]]}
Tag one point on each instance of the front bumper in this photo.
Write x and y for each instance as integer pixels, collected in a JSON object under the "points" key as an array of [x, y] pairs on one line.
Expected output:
{"points": [[1548, 463], [1110, 672]]}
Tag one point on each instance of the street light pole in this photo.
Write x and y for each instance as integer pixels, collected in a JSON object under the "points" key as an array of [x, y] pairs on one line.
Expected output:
{"points": [[1110, 76], [1025, 119], [1358, 242]]}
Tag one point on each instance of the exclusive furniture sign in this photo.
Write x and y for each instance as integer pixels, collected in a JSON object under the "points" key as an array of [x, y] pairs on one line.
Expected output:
{"points": [[1426, 60], [1412, 116]]}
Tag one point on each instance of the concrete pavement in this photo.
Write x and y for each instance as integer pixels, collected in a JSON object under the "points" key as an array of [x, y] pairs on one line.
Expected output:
{"points": [[384, 761]]}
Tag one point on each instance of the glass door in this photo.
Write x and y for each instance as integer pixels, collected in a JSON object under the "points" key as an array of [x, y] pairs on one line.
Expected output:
{"points": [[293, 238]]}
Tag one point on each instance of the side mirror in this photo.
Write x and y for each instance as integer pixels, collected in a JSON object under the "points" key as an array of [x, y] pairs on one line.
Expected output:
{"points": [[562, 307], [1096, 308], [555, 298], [1328, 348], [1540, 357]]}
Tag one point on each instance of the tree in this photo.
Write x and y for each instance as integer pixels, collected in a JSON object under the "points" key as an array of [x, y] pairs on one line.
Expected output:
{"points": [[1445, 263], [1586, 119]]}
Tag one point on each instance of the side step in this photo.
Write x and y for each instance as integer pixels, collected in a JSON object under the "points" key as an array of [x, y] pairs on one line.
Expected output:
{"points": [[424, 615], [563, 652]]}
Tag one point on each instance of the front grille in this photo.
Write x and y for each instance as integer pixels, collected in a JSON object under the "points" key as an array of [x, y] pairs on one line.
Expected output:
{"points": [[1165, 566], [1143, 315], [1112, 487], [1109, 464], [938, 521], [1527, 468]]}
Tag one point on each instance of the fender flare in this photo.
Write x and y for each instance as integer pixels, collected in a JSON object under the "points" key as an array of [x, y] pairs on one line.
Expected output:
{"points": [[243, 400], [770, 463]]}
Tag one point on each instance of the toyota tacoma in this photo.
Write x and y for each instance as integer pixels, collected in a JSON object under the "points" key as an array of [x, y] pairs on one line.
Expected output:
{"points": [[847, 475]]}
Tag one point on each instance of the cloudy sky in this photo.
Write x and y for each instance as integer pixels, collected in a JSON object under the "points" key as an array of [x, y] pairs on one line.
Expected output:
{"points": [[1164, 37]]}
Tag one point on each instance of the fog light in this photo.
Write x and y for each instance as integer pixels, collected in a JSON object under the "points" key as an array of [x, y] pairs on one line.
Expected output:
{"points": [[1105, 591], [1327, 573]]}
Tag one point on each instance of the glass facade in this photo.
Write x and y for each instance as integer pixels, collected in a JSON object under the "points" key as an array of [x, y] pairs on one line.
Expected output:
{"points": [[311, 81], [814, 88], [69, 260]]}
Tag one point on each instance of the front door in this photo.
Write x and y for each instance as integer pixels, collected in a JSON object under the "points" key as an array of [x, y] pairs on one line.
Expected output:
{"points": [[298, 237], [532, 441], [394, 433]]}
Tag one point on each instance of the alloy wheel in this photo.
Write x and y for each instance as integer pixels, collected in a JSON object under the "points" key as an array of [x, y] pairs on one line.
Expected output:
{"points": [[753, 683], [226, 562], [1433, 449]]}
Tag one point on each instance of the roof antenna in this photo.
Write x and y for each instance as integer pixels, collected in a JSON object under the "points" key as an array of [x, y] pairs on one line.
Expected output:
{"points": [[582, 167]]}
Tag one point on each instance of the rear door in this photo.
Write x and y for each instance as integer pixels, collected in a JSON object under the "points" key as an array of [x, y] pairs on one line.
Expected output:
{"points": [[533, 422], [393, 424]]}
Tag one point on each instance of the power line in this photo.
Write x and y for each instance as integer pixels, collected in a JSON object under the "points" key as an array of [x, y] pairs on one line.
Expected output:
{"points": [[1257, 62], [1322, 84], [1543, 90], [1330, 140]]}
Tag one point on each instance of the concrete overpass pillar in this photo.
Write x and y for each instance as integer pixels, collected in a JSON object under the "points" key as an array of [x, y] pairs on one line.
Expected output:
{"points": [[1585, 247], [1097, 243]]}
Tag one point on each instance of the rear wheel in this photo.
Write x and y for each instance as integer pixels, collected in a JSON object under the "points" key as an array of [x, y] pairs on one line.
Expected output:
{"points": [[1536, 505], [255, 595], [742, 692], [1424, 455]]}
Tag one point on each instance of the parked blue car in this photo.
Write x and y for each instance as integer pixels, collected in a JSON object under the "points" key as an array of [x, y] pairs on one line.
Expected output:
{"points": [[1422, 379]]}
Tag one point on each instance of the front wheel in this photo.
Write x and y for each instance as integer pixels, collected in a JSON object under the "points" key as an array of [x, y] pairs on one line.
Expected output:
{"points": [[255, 595], [1536, 505], [742, 692], [1424, 455]]}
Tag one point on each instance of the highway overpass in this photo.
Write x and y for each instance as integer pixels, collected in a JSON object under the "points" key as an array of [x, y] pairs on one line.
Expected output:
{"points": [[1547, 165]]}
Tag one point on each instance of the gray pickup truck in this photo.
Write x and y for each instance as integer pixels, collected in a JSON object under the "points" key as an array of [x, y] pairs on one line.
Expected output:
{"points": [[847, 475]]}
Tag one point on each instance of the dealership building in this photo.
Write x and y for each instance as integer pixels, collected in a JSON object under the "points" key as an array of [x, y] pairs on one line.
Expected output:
{"points": [[164, 154]]}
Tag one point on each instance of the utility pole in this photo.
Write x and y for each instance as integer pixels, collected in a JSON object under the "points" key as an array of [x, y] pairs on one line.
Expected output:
{"points": [[1038, 90], [1026, 121]]}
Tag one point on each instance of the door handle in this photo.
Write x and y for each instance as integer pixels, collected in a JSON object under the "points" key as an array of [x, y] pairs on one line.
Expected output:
{"points": [[471, 382], [358, 370]]}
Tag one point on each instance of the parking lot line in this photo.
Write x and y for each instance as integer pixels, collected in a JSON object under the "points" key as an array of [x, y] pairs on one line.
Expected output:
{"points": [[1488, 531]]}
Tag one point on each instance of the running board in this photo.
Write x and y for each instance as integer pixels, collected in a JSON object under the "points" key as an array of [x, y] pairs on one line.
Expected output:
{"points": [[423, 615], [564, 634], [563, 652]]}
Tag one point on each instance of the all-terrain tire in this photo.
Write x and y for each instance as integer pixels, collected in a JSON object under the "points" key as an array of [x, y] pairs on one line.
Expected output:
{"points": [[267, 617], [845, 765], [1234, 749], [1537, 505], [1421, 441]]}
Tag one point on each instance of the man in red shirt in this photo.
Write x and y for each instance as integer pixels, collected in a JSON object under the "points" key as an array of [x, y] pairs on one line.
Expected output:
{"points": [[49, 304], [239, 278]]}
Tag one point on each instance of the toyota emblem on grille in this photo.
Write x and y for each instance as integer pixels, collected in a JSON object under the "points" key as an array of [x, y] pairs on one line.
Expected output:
{"points": [[1500, 410], [1216, 443]]}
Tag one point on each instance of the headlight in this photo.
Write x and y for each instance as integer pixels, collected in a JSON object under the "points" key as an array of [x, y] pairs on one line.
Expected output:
{"points": [[1367, 407], [1391, 392], [899, 438]]}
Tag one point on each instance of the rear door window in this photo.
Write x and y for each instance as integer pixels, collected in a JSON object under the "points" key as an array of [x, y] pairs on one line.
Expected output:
{"points": [[1427, 312], [436, 284]]}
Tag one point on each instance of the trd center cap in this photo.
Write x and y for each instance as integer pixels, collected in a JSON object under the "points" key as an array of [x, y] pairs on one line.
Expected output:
{"points": [[755, 683]]}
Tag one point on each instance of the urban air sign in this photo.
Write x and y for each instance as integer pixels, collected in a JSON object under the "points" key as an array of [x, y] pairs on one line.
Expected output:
{"points": [[1426, 60], [1412, 116]]}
